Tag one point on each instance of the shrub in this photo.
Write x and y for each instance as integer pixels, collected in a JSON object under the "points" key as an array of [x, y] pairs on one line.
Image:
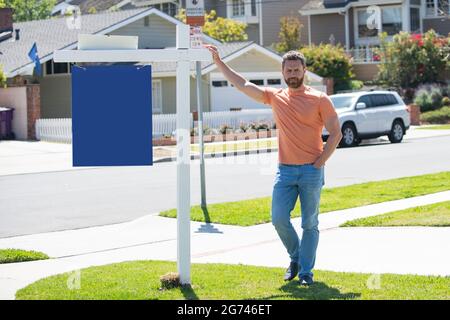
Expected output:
{"points": [[428, 98], [330, 61], [445, 101], [2, 77], [412, 59], [441, 116], [225, 129]]}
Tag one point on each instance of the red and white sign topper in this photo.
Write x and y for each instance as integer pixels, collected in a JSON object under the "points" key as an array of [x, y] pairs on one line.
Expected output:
{"points": [[195, 12]]}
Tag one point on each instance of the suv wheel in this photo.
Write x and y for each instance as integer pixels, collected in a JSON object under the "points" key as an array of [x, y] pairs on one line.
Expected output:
{"points": [[349, 136], [397, 132]]}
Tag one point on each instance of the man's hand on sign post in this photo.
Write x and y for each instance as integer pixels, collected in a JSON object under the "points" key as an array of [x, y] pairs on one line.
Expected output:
{"points": [[214, 52]]}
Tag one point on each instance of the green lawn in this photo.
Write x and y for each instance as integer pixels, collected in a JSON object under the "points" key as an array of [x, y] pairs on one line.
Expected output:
{"points": [[435, 215], [140, 280], [440, 127], [14, 255], [257, 211]]}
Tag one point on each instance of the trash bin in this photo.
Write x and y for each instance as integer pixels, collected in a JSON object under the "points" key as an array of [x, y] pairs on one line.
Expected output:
{"points": [[6, 116]]}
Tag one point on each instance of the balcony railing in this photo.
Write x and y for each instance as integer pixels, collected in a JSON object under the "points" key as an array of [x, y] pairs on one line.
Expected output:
{"points": [[364, 55]]}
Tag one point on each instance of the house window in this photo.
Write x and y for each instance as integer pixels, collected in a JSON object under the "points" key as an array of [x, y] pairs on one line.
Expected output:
{"points": [[238, 8], [391, 20], [365, 30], [156, 96], [253, 5], [436, 8], [169, 8], [52, 68], [258, 82], [415, 20], [274, 82], [220, 83]]}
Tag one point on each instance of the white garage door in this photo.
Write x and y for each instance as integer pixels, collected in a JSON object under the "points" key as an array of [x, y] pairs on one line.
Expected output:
{"points": [[225, 97]]}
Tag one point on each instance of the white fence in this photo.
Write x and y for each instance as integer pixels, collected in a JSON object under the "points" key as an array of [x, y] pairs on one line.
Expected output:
{"points": [[60, 130]]}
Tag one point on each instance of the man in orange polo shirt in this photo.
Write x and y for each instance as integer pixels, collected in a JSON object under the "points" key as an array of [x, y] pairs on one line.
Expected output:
{"points": [[300, 114]]}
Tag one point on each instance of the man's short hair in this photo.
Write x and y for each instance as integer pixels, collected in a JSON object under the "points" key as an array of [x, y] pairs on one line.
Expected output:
{"points": [[293, 55]]}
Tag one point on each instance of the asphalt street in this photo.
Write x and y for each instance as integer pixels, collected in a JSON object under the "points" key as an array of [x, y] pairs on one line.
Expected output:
{"points": [[54, 201]]}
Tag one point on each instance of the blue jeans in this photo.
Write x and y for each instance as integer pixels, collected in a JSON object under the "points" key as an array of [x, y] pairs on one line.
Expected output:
{"points": [[291, 182]]}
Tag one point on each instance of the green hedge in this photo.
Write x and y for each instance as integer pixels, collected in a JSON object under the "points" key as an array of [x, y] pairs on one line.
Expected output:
{"points": [[440, 116]]}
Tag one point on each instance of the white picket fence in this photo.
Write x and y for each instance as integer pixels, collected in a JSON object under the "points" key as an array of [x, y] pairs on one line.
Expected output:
{"points": [[60, 130]]}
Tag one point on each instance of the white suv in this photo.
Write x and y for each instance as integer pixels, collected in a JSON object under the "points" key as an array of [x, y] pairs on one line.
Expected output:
{"points": [[370, 114]]}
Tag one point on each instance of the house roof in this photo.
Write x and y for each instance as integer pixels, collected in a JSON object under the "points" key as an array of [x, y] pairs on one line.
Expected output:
{"points": [[54, 34]]}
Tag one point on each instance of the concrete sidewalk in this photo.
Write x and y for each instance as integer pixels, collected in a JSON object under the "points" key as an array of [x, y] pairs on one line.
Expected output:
{"points": [[409, 250], [22, 157]]}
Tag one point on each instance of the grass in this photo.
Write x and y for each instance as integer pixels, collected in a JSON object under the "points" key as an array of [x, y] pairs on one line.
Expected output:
{"points": [[257, 211], [441, 127], [15, 255], [139, 280], [237, 146], [435, 215]]}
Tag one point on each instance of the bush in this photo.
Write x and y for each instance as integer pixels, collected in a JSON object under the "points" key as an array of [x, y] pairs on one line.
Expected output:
{"points": [[330, 62], [441, 116], [445, 101], [412, 59], [2, 77], [428, 98], [225, 129]]}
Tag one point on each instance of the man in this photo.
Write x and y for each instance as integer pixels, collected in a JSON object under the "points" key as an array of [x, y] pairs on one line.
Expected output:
{"points": [[300, 113]]}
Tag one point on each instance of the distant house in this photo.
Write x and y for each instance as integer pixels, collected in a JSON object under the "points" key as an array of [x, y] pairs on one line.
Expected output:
{"points": [[155, 30], [346, 22]]}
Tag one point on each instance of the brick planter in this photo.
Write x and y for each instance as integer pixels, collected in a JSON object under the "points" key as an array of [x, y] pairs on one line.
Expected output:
{"points": [[414, 113]]}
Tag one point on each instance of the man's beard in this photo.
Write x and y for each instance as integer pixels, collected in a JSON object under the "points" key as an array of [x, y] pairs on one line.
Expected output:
{"points": [[294, 83]]}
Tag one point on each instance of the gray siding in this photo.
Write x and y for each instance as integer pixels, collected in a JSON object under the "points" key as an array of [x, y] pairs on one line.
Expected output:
{"points": [[158, 34], [322, 26], [441, 26], [56, 101], [273, 11], [252, 31], [169, 97]]}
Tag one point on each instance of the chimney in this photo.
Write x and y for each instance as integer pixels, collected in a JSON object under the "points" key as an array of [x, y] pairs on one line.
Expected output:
{"points": [[6, 21], [17, 34]]}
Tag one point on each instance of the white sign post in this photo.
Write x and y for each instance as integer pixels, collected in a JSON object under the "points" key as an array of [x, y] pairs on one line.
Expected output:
{"points": [[183, 55]]}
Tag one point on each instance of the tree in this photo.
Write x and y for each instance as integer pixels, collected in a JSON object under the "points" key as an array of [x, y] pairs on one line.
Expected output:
{"points": [[290, 28], [413, 59], [330, 61], [26, 10], [222, 29]]}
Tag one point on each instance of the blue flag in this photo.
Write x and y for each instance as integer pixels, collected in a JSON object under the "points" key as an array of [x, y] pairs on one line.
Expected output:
{"points": [[33, 54]]}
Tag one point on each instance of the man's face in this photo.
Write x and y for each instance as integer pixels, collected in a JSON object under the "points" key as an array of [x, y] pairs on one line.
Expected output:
{"points": [[293, 73]]}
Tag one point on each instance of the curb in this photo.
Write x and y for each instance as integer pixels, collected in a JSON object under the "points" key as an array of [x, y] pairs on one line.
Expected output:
{"points": [[221, 154]]}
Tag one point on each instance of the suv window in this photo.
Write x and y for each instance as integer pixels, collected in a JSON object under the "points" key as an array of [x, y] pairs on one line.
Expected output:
{"points": [[366, 99], [392, 100]]}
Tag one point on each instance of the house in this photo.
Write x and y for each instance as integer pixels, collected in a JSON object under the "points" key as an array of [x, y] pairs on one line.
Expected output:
{"points": [[353, 24], [156, 30]]}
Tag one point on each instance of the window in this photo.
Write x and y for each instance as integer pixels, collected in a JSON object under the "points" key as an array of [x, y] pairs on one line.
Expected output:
{"points": [[258, 82], [220, 83], [391, 20], [366, 100], [57, 68], [342, 102], [368, 22], [169, 8], [365, 31], [380, 100], [274, 82], [156, 96], [238, 8], [415, 20], [391, 99], [253, 4], [436, 8]]}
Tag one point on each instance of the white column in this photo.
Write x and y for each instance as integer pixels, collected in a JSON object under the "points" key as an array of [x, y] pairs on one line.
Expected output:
{"points": [[183, 159], [406, 20], [347, 31], [260, 22]]}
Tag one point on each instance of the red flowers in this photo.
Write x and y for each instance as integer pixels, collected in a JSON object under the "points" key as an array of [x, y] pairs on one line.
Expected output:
{"points": [[417, 37]]}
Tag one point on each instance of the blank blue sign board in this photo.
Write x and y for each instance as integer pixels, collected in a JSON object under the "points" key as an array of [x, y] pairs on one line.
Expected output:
{"points": [[112, 116]]}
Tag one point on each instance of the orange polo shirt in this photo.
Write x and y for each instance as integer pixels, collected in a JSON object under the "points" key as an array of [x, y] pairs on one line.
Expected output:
{"points": [[300, 117]]}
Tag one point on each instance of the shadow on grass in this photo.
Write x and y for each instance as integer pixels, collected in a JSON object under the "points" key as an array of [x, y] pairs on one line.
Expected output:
{"points": [[317, 291], [188, 292]]}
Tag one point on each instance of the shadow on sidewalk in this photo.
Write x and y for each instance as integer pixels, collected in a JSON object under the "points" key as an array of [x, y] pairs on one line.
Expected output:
{"points": [[318, 291]]}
